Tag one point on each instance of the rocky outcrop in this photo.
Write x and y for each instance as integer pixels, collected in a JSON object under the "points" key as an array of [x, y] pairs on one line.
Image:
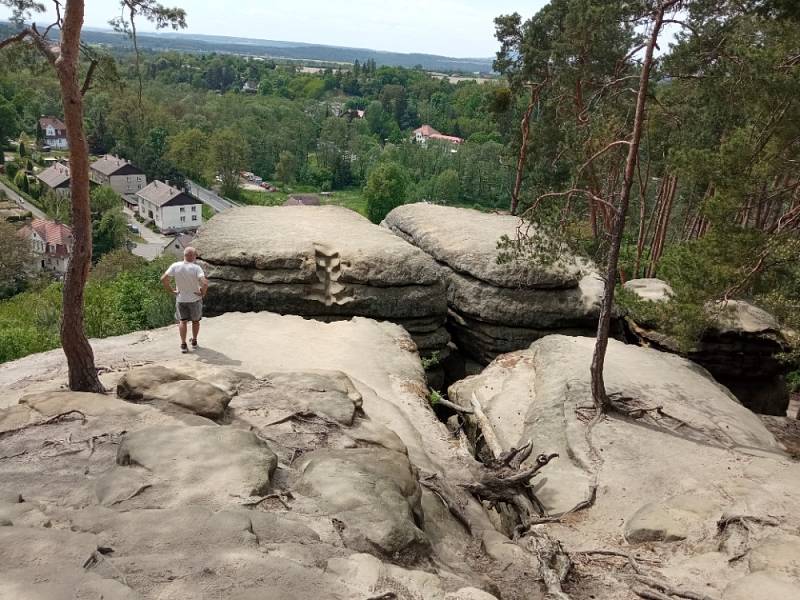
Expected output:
{"points": [[323, 262], [678, 471], [308, 485], [740, 348], [496, 308]]}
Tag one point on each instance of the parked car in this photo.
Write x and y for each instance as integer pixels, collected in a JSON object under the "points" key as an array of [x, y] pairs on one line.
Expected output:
{"points": [[133, 228]]}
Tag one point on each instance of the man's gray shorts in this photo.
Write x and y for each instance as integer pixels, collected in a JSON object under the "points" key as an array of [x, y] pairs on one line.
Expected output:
{"points": [[189, 311]]}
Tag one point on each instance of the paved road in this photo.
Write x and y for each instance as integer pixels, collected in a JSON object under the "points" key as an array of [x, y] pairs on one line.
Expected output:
{"points": [[22, 203], [154, 242], [215, 201]]}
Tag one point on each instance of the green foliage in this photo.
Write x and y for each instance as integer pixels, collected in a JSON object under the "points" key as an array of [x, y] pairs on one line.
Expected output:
{"points": [[21, 149], [21, 181], [229, 156], [12, 169], [9, 122], [385, 190], [15, 260], [117, 302], [434, 398]]}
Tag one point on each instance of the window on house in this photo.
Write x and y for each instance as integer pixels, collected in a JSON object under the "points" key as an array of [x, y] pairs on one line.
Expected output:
{"points": [[183, 209], [194, 209], [194, 217], [183, 219]]}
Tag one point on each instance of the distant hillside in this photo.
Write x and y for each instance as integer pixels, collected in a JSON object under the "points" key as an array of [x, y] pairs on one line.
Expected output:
{"points": [[290, 50]]}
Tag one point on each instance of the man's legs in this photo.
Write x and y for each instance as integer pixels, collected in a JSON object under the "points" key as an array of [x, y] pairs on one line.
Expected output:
{"points": [[182, 331], [195, 331]]}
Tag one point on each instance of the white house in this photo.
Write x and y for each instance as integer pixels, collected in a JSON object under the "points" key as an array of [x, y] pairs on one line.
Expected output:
{"points": [[120, 175], [426, 132], [51, 242], [54, 133], [172, 210], [55, 179], [178, 244]]}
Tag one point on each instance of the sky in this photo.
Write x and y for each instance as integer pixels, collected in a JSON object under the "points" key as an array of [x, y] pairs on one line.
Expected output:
{"points": [[459, 28]]}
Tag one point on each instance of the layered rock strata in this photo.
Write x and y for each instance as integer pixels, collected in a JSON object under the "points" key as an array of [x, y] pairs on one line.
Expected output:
{"points": [[741, 348], [496, 308], [322, 262]]}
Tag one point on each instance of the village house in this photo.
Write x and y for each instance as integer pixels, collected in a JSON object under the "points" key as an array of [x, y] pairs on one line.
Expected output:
{"points": [[426, 132], [172, 210], [55, 179], [51, 242], [120, 175], [178, 244], [53, 133]]}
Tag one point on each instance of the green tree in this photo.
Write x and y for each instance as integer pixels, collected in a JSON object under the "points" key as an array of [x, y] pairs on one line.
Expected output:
{"points": [[21, 149], [16, 260], [188, 150], [286, 169], [385, 190], [228, 157], [9, 122], [21, 181], [109, 232]]}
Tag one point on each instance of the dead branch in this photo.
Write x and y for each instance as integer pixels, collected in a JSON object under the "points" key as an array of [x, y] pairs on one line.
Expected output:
{"points": [[455, 407], [486, 428], [726, 520], [554, 564], [384, 596], [670, 590], [279, 496], [134, 494], [50, 421], [649, 594], [629, 557]]}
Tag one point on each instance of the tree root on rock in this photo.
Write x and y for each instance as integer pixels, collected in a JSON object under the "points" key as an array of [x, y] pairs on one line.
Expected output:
{"points": [[50, 421]]}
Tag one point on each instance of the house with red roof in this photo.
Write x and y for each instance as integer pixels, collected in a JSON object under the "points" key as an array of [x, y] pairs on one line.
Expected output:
{"points": [[51, 242], [426, 132]]}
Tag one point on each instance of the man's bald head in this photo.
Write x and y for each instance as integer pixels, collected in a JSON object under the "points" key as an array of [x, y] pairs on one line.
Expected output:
{"points": [[190, 254]]}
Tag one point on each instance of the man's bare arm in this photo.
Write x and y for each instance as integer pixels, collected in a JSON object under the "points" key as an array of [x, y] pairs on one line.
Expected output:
{"points": [[167, 284], [203, 287]]}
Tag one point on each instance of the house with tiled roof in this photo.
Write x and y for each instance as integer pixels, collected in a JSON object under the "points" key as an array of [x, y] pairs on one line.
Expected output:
{"points": [[170, 209], [178, 244], [426, 132], [53, 132], [51, 243], [55, 179], [120, 175]]}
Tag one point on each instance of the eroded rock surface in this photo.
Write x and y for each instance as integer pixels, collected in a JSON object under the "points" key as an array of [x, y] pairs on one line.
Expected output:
{"points": [[740, 349], [324, 262], [678, 471], [497, 308], [307, 487]]}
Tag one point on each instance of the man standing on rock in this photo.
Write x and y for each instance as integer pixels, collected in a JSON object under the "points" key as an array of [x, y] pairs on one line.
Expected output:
{"points": [[191, 286]]}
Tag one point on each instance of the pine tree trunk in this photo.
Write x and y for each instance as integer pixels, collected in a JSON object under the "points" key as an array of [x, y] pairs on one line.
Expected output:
{"points": [[523, 149], [80, 358], [606, 309]]}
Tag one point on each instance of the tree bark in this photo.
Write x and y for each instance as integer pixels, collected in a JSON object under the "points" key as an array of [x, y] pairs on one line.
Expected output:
{"points": [[80, 357], [604, 323], [523, 149]]}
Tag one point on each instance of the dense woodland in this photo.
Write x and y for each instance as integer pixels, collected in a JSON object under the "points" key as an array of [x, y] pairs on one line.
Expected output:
{"points": [[715, 197]]}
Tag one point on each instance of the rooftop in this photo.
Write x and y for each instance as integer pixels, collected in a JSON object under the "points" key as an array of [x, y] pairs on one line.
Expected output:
{"points": [[162, 194], [114, 165], [55, 176]]}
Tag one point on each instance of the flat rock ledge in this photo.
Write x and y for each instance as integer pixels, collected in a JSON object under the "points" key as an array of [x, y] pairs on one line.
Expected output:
{"points": [[496, 308], [323, 262]]}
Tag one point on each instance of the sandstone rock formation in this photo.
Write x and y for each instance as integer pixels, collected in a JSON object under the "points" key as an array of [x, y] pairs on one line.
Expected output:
{"points": [[740, 349], [679, 473], [496, 308], [307, 486], [324, 262]]}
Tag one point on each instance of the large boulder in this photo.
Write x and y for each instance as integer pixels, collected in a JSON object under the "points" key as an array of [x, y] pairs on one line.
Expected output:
{"points": [[740, 348], [498, 307], [324, 262], [677, 468]]}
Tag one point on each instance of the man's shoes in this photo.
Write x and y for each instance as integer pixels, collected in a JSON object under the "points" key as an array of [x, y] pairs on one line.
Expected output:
{"points": [[194, 343], [184, 348]]}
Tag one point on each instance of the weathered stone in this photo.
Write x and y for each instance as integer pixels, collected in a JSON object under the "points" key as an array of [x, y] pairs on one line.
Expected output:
{"points": [[760, 586], [198, 397], [493, 307], [654, 290], [203, 464], [375, 494], [319, 262], [740, 349], [136, 383], [779, 554]]}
